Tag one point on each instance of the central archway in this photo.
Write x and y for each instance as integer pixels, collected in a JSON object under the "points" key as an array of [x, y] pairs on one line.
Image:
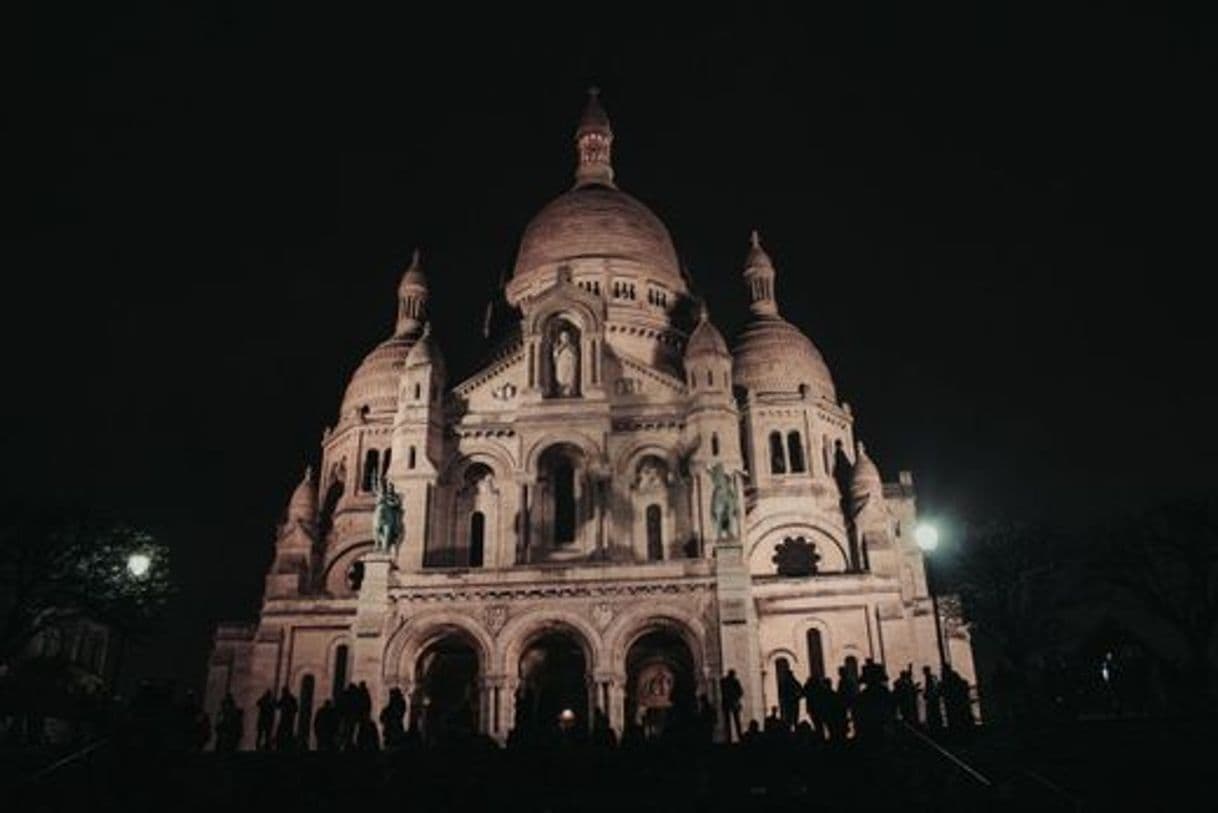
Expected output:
{"points": [[445, 706], [660, 684], [553, 680]]}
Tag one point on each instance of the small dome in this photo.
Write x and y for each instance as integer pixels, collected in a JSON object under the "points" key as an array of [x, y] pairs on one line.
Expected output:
{"points": [[375, 382], [772, 355], [866, 485], [705, 339], [600, 222], [425, 351], [303, 505]]}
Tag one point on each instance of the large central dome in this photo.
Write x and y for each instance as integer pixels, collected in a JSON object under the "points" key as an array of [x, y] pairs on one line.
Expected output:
{"points": [[597, 221], [594, 221]]}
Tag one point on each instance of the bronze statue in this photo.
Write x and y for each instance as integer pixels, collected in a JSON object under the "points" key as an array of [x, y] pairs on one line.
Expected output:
{"points": [[387, 517], [724, 510]]}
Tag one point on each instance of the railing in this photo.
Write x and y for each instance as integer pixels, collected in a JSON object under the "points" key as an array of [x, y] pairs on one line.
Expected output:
{"points": [[72, 758], [1004, 788]]}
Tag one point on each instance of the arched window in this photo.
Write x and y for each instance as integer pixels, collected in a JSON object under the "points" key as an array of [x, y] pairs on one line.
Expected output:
{"points": [[477, 533], [410, 462], [795, 452], [778, 463], [714, 444], [710, 378], [371, 469], [418, 390], [564, 502], [816, 655], [655, 533], [340, 670], [385, 462]]}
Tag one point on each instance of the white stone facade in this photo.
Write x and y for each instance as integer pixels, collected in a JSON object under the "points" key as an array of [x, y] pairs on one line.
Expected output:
{"points": [[557, 502]]}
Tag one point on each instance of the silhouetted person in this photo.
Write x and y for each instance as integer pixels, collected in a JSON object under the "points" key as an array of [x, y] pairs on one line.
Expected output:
{"points": [[932, 699], [958, 703], [835, 712], [814, 705], [285, 734], [266, 721], [773, 727], [228, 726], [731, 693], [392, 727], [325, 727], [752, 735], [873, 709], [366, 737], [905, 693], [847, 687], [789, 693], [363, 705], [348, 716]]}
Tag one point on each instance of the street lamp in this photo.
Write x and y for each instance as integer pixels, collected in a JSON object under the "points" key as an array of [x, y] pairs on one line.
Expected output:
{"points": [[927, 536], [138, 565]]}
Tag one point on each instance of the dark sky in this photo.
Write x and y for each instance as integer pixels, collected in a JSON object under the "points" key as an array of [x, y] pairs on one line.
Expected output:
{"points": [[996, 225]]}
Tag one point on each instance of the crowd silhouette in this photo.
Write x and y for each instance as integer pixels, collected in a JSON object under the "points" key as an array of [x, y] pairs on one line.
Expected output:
{"points": [[860, 708]]}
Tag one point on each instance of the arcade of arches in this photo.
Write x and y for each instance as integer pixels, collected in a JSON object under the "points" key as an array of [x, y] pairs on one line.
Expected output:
{"points": [[548, 672]]}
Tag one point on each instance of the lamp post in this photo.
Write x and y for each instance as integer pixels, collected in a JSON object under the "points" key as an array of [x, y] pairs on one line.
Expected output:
{"points": [[927, 536], [138, 565]]}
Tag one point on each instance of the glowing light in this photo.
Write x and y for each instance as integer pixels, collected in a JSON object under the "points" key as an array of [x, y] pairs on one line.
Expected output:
{"points": [[567, 718], [927, 536], [138, 564]]}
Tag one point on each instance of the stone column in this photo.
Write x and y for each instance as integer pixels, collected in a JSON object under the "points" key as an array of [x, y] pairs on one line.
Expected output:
{"points": [[371, 617], [617, 703], [738, 625]]}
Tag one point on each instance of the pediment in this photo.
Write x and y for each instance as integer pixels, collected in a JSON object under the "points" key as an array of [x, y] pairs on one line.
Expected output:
{"points": [[639, 378], [498, 385]]}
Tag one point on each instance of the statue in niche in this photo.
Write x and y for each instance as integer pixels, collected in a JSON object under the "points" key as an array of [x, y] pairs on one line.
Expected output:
{"points": [[565, 358]]}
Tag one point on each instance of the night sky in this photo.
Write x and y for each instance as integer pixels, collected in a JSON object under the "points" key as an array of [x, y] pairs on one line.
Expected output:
{"points": [[998, 229]]}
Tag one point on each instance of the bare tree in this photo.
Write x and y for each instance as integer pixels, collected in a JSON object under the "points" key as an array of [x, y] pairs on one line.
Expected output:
{"points": [[1167, 561], [1007, 575], [54, 570]]}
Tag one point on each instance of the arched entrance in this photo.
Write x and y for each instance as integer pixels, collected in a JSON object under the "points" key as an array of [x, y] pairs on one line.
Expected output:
{"points": [[445, 706], [660, 684], [553, 680]]}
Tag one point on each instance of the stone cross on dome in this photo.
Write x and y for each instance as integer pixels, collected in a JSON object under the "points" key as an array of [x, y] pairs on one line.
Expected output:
{"points": [[594, 144]]}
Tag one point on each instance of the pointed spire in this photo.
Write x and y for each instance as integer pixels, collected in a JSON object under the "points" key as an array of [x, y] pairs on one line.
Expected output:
{"points": [[759, 276], [412, 297], [594, 144]]}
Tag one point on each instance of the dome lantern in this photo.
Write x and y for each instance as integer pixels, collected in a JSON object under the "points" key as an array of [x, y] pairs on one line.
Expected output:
{"points": [[412, 298], [759, 276], [594, 144]]}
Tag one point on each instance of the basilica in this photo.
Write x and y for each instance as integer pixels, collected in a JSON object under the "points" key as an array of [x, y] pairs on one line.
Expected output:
{"points": [[612, 511]]}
